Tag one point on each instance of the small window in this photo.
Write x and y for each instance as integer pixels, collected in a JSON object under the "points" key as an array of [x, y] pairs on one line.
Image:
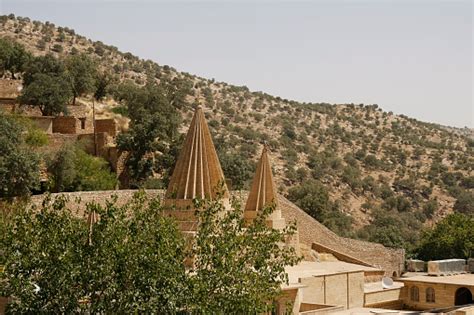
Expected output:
{"points": [[414, 294], [83, 123], [430, 295]]}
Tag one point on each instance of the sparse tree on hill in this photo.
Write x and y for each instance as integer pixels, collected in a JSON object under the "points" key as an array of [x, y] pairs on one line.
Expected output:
{"points": [[82, 74], [13, 57], [46, 85]]}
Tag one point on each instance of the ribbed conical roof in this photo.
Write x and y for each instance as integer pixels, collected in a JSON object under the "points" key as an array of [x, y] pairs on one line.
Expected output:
{"points": [[262, 192], [197, 173]]}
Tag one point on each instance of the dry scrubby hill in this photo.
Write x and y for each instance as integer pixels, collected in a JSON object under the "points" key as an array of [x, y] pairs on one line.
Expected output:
{"points": [[366, 158]]}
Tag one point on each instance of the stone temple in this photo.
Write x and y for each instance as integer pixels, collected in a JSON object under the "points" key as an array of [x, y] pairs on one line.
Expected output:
{"points": [[337, 275]]}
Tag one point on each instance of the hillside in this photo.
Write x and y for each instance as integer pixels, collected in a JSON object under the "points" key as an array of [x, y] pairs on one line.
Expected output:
{"points": [[374, 165]]}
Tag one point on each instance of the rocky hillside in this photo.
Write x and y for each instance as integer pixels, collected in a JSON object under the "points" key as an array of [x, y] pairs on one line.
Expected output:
{"points": [[368, 160]]}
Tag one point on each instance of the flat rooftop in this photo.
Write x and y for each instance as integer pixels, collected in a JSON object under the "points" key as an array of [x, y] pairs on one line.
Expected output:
{"points": [[371, 311], [461, 279], [307, 269], [377, 286]]}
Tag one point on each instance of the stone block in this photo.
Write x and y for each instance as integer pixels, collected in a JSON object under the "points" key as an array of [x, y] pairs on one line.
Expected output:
{"points": [[415, 265], [446, 267], [470, 265]]}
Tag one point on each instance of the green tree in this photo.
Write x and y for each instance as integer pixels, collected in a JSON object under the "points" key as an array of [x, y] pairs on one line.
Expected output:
{"points": [[47, 64], [452, 237], [237, 268], [13, 57], [153, 120], [72, 169], [49, 93], [236, 169], [82, 74], [312, 197], [130, 261], [19, 171]]}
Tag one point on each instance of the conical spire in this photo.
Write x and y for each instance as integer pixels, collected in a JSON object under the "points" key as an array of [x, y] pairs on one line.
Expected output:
{"points": [[197, 173], [263, 193]]}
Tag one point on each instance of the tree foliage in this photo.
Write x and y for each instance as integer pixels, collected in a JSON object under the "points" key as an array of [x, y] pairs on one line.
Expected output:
{"points": [[19, 171], [72, 169], [452, 237], [465, 203], [129, 261], [153, 121], [313, 197], [13, 57], [237, 268], [49, 93], [133, 260], [82, 74]]}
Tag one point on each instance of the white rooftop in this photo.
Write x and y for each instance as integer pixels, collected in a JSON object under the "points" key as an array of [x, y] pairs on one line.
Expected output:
{"points": [[307, 269]]}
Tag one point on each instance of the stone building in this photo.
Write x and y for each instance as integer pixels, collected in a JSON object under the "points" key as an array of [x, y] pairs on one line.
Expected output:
{"points": [[337, 275], [423, 292], [9, 91], [330, 280]]}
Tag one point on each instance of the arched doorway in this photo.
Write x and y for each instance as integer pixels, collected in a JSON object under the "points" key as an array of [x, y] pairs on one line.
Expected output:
{"points": [[463, 296]]}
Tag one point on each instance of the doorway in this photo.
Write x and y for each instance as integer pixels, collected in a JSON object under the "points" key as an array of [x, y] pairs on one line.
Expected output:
{"points": [[463, 296]]}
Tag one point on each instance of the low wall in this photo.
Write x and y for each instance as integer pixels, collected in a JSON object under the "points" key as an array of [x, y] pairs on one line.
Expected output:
{"points": [[44, 123]]}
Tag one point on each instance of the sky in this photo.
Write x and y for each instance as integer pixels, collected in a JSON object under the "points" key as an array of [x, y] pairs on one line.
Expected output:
{"points": [[410, 57]]}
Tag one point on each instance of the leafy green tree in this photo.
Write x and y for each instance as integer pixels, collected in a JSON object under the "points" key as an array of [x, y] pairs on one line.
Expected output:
{"points": [[47, 64], [82, 74], [13, 57], [312, 197], [130, 261], [236, 169], [72, 169], [92, 173], [452, 237], [153, 120], [238, 268], [49, 93], [19, 171]]}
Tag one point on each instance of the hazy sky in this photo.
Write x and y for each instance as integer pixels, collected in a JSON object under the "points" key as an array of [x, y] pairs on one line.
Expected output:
{"points": [[411, 57]]}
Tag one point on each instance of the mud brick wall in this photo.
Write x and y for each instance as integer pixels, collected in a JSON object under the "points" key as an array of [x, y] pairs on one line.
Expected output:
{"points": [[44, 123], [106, 125], [65, 124]]}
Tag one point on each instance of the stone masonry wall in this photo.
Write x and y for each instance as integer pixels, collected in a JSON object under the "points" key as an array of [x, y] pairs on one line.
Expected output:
{"points": [[106, 125], [311, 231], [65, 124]]}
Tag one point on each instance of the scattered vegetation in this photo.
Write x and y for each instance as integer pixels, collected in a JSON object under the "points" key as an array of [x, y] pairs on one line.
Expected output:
{"points": [[370, 164]]}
